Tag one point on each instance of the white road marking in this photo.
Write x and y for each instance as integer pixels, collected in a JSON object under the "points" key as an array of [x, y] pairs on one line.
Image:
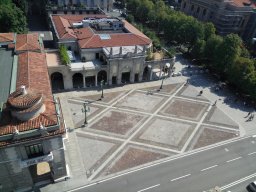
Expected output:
{"points": [[226, 149], [181, 177], [233, 159], [238, 181], [149, 188], [209, 167], [252, 153]]}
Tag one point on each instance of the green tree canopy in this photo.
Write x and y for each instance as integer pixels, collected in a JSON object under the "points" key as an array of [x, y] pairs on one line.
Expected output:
{"points": [[12, 19]]}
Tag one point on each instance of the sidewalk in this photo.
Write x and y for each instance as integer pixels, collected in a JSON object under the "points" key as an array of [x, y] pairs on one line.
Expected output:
{"points": [[237, 111]]}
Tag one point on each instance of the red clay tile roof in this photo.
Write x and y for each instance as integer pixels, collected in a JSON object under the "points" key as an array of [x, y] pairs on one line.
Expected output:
{"points": [[63, 24], [23, 101], [6, 37], [88, 39], [115, 40], [28, 42], [33, 73]]}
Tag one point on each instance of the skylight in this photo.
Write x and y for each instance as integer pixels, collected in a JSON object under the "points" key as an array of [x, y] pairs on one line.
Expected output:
{"points": [[104, 36]]}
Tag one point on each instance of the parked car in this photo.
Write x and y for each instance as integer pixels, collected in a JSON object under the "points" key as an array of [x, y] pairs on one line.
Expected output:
{"points": [[176, 74], [251, 187]]}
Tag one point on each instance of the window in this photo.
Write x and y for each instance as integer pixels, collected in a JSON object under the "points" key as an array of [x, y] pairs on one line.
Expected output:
{"points": [[198, 9], [204, 12], [34, 150], [184, 5]]}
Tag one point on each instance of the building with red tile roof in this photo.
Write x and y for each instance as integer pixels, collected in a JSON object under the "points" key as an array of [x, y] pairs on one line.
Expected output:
{"points": [[31, 122], [100, 48], [28, 42], [7, 38]]}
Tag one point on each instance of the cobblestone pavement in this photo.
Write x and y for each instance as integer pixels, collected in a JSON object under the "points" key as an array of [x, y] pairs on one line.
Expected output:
{"points": [[128, 128]]}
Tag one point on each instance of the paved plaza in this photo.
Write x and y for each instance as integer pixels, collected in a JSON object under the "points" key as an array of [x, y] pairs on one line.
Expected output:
{"points": [[129, 128]]}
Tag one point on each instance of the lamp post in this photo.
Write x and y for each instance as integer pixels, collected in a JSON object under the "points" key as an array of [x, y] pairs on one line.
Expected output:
{"points": [[165, 69], [85, 109], [101, 84]]}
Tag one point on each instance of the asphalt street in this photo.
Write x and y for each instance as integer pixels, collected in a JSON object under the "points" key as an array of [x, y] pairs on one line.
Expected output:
{"points": [[197, 172]]}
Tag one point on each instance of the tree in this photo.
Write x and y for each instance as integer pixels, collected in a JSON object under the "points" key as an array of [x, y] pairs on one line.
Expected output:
{"points": [[228, 52], [209, 30], [211, 47], [198, 49], [12, 19]]}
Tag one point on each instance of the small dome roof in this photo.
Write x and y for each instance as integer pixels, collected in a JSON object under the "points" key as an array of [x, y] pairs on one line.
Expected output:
{"points": [[23, 99]]}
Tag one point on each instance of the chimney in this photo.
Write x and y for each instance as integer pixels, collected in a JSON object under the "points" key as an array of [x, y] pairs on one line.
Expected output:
{"points": [[121, 50], [23, 90], [136, 49]]}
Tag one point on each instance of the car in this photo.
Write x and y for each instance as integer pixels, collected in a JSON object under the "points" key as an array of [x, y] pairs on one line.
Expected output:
{"points": [[251, 187], [176, 74]]}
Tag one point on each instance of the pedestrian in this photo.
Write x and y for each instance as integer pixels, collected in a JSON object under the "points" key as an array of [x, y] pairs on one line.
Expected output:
{"points": [[201, 92], [214, 104]]}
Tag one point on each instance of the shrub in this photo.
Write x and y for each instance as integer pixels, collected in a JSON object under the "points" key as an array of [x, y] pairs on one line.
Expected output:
{"points": [[64, 55]]}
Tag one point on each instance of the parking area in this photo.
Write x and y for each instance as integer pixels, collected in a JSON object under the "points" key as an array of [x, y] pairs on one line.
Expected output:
{"points": [[133, 127]]}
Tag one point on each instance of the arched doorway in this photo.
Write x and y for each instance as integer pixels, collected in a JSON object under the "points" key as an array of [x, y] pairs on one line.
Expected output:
{"points": [[102, 75], [57, 81], [78, 80], [145, 76]]}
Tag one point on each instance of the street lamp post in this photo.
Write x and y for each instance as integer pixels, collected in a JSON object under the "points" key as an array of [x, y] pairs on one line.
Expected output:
{"points": [[85, 109], [101, 84], [161, 87]]}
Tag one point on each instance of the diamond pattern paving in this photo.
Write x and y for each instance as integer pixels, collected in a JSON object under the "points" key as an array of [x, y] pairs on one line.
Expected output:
{"points": [[117, 122], [218, 117], [78, 115], [133, 156], [166, 133], [209, 135], [141, 102], [94, 151], [184, 109]]}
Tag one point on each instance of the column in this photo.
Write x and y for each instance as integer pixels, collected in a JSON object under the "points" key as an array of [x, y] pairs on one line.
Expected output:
{"points": [[84, 81], [151, 74], [160, 74], [96, 80], [132, 72]]}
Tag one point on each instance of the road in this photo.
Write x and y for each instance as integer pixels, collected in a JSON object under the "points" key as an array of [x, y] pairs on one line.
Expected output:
{"points": [[197, 172]]}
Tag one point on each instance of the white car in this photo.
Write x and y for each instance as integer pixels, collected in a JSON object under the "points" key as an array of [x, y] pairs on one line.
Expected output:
{"points": [[177, 74]]}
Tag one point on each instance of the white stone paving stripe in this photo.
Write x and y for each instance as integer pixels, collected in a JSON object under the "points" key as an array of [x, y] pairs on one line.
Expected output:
{"points": [[191, 99], [180, 177], [154, 186], [209, 168], [234, 159], [252, 153], [196, 129]]}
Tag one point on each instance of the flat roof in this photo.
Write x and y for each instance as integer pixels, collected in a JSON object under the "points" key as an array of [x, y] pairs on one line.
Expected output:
{"points": [[6, 64]]}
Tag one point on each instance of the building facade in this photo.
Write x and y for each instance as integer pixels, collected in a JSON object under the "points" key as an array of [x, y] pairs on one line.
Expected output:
{"points": [[31, 122], [228, 16], [102, 48], [105, 5]]}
